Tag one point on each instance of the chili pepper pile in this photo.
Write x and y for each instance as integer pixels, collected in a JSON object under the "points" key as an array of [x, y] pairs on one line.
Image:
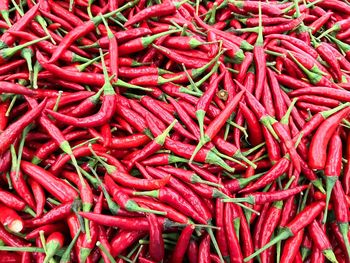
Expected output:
{"points": [[174, 131]]}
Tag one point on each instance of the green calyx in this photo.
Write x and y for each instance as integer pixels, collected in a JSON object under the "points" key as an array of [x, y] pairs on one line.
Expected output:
{"points": [[212, 158], [66, 255], [146, 41], [98, 19], [132, 206], [330, 182], [329, 254], [51, 249], [6, 53], [286, 233], [328, 113], [248, 199], [161, 138], [107, 86]]}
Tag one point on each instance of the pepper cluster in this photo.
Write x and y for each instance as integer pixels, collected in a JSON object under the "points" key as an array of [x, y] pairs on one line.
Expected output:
{"points": [[174, 131]]}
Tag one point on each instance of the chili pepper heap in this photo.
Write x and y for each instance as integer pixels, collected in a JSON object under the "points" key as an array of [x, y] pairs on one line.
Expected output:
{"points": [[174, 131]]}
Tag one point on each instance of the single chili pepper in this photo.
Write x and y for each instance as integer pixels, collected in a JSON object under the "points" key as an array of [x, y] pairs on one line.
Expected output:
{"points": [[10, 219], [318, 146], [39, 196], [205, 100], [192, 251], [47, 229], [317, 119], [277, 170], [132, 182], [231, 237], [204, 250], [141, 43], [271, 221], [304, 218], [156, 245], [277, 29], [123, 200], [341, 214], [58, 188], [261, 198], [14, 202], [332, 166], [57, 213], [67, 56], [320, 239], [133, 223], [124, 239], [156, 10], [181, 59], [82, 30], [18, 181], [254, 129], [48, 148], [182, 244], [220, 234], [291, 247], [121, 37], [163, 159], [171, 213]]}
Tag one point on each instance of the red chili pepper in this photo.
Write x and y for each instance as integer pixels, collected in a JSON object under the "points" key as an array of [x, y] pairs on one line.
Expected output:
{"points": [[58, 188], [291, 247], [321, 241], [10, 219], [159, 10], [156, 242], [47, 229], [261, 198], [39, 196], [318, 146], [7, 39], [231, 237], [182, 244], [123, 199], [124, 239]]}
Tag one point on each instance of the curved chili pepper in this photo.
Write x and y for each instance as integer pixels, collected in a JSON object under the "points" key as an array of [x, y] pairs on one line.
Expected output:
{"points": [[58, 188], [39, 196], [291, 247], [13, 131], [164, 9], [319, 142], [321, 241], [182, 244], [58, 213], [123, 199], [156, 245], [7, 39]]}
